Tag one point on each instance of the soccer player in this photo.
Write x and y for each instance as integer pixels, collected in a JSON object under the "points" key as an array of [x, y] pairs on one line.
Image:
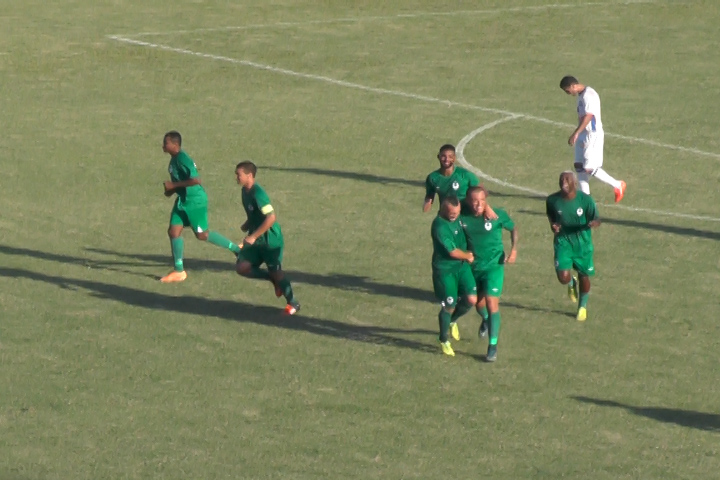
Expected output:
{"points": [[264, 242], [452, 277], [572, 215], [448, 180], [485, 239], [589, 138], [190, 208]]}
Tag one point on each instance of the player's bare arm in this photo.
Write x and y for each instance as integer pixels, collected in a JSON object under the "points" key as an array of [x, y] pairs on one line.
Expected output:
{"points": [[489, 213], [582, 125], [513, 246], [427, 205], [594, 223], [264, 227], [458, 254]]}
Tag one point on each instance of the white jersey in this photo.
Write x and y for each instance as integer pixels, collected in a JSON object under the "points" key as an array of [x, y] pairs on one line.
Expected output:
{"points": [[589, 102]]}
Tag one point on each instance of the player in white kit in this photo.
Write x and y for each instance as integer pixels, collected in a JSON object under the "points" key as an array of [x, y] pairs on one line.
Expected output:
{"points": [[589, 137]]}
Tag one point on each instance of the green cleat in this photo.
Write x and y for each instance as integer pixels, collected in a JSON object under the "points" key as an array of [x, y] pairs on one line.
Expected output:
{"points": [[447, 349], [454, 331], [491, 353], [573, 290], [581, 314]]}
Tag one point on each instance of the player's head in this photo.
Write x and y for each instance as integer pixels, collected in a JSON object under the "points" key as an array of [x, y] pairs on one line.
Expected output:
{"points": [[245, 172], [450, 208], [476, 199], [568, 182], [570, 85], [446, 155], [172, 142]]}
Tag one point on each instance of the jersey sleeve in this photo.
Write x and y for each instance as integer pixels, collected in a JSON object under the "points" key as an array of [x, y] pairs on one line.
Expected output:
{"points": [[263, 201], [592, 103], [549, 211], [429, 189], [444, 237], [591, 212], [505, 220], [188, 168], [473, 180]]}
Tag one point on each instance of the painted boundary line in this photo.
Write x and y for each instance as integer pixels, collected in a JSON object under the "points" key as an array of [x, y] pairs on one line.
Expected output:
{"points": [[397, 93], [536, 8], [460, 157]]}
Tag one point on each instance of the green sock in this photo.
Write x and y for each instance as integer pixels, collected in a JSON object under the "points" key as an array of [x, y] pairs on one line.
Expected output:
{"points": [[176, 245], [494, 327], [444, 318], [462, 309], [584, 299], [483, 312], [217, 239], [287, 290]]}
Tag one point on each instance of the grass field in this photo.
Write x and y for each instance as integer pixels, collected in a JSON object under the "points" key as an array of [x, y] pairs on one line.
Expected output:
{"points": [[106, 373]]}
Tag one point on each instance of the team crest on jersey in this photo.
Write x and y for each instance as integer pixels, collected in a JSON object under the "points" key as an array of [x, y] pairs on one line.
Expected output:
{"points": [[579, 211], [455, 185], [488, 226]]}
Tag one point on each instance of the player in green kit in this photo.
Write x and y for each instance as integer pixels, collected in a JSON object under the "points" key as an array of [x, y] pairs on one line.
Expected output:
{"points": [[452, 277], [190, 208], [264, 242], [449, 180], [572, 215], [485, 240]]}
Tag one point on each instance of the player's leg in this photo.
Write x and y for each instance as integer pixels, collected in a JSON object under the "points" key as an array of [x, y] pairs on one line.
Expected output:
{"points": [[177, 221], [563, 268], [481, 305], [593, 154], [249, 263], [495, 280], [467, 290], [198, 218], [273, 260], [582, 175], [586, 269], [445, 286]]}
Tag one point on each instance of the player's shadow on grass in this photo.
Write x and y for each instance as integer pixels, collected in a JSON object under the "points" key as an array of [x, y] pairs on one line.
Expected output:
{"points": [[370, 178], [234, 311], [691, 232], [685, 418], [340, 281]]}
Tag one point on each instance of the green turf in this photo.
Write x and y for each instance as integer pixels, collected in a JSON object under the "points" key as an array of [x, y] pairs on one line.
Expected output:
{"points": [[106, 373]]}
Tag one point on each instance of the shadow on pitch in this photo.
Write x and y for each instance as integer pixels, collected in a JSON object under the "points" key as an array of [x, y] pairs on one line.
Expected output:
{"points": [[232, 311], [370, 178], [684, 231], [685, 418]]}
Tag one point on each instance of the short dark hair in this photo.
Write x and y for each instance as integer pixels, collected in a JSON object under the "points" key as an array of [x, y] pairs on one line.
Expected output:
{"points": [[477, 188], [174, 137], [247, 166], [568, 81], [451, 200], [445, 147]]}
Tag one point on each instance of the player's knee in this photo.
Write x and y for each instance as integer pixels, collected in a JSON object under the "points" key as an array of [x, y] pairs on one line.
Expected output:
{"points": [[564, 276], [173, 232], [472, 299], [243, 268], [493, 304], [276, 275], [202, 235]]}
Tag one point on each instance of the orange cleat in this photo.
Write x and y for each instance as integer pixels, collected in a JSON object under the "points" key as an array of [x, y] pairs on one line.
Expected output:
{"points": [[292, 308], [620, 192], [174, 276]]}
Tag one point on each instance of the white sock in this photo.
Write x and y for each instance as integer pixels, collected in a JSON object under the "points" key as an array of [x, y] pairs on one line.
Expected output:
{"points": [[603, 176], [583, 181]]}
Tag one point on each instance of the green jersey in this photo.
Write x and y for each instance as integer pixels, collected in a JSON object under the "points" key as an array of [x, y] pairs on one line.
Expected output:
{"points": [[573, 216], [456, 184], [182, 168], [447, 236], [257, 207], [485, 238]]}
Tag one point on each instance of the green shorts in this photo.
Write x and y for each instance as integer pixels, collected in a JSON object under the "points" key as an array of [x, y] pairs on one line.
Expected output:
{"points": [[449, 286], [490, 280], [195, 217], [267, 250], [579, 257]]}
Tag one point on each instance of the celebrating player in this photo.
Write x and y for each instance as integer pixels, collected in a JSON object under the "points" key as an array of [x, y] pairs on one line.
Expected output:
{"points": [[264, 242], [572, 215], [589, 138], [448, 180], [190, 208], [486, 244], [452, 277]]}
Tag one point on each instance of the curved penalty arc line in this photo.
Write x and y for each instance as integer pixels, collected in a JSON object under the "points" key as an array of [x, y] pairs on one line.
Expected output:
{"points": [[460, 158]]}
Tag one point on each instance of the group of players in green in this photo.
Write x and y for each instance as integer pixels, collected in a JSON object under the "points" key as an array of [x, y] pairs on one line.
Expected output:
{"points": [[468, 255]]}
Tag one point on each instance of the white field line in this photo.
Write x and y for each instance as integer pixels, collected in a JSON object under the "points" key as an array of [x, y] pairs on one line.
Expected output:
{"points": [[460, 157], [453, 13], [398, 93]]}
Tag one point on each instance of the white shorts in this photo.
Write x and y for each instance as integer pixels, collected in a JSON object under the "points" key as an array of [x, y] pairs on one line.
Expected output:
{"points": [[589, 149]]}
